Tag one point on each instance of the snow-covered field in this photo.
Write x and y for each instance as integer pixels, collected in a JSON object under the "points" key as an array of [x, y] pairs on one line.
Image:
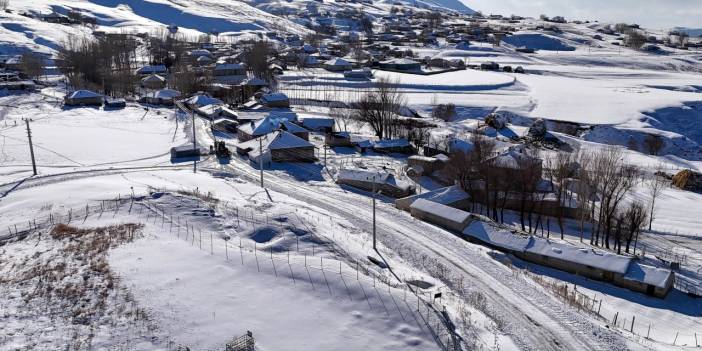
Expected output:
{"points": [[215, 255]]}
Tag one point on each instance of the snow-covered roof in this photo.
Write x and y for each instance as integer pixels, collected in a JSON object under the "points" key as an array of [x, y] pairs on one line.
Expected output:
{"points": [[648, 274], [401, 61], [228, 66], [83, 94], [274, 97], [200, 52], [363, 175], [269, 125], [203, 100], [152, 69], [166, 94], [440, 210], [444, 196], [391, 143], [337, 62], [317, 122], [154, 78], [512, 158], [277, 140], [584, 256], [496, 236]]}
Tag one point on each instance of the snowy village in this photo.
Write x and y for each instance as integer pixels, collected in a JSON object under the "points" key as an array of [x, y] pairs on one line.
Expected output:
{"points": [[244, 175]]}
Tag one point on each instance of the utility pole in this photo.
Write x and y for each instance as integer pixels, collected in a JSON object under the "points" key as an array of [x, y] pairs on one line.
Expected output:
{"points": [[194, 142], [260, 157], [373, 196], [325, 155], [31, 147]]}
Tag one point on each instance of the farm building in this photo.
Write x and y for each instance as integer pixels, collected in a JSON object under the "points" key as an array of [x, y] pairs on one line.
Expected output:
{"points": [[255, 129], [228, 69], [651, 280], [423, 165], [161, 97], [452, 196], [153, 81], [338, 65], [385, 183], [279, 146], [25, 85], [490, 234], [441, 215], [400, 146], [83, 98], [152, 69], [185, 151], [224, 125], [401, 64], [364, 73], [318, 124], [340, 139], [275, 100]]}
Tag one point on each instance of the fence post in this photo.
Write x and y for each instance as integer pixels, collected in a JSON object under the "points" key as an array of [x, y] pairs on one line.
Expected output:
{"points": [[649, 331], [226, 250], [633, 318], [676, 338]]}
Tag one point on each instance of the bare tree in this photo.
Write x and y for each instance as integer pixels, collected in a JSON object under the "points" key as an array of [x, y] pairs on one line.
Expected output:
{"points": [[444, 112], [634, 39], [32, 64], [614, 179], [653, 143], [4, 4], [559, 168], [256, 57], [380, 107], [634, 219], [526, 185], [654, 188], [342, 116]]}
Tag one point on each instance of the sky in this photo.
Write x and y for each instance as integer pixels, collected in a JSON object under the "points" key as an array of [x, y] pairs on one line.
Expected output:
{"points": [[655, 14]]}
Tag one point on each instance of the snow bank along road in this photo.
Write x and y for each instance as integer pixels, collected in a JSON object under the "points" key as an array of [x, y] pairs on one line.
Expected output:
{"points": [[534, 320]]}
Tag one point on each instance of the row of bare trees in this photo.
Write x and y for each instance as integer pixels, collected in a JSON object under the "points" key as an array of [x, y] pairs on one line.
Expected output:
{"points": [[101, 64], [594, 186]]}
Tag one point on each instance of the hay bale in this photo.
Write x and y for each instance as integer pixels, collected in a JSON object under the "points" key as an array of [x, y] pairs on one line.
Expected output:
{"points": [[688, 180]]}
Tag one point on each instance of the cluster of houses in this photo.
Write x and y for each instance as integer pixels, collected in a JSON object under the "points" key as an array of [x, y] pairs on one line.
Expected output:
{"points": [[442, 207]]}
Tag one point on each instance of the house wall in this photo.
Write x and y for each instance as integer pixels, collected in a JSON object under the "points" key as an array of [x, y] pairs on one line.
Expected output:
{"points": [[331, 140], [301, 154], [571, 267], [84, 101], [643, 287]]}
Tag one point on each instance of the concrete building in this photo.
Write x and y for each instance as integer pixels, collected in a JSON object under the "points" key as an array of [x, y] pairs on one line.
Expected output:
{"points": [[441, 215]]}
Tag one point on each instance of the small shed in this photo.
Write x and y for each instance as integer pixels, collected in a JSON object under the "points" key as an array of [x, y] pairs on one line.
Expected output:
{"points": [[165, 97], [401, 64], [185, 151], [275, 100], [400, 146], [423, 165], [452, 196], [152, 69], [153, 81], [338, 65], [382, 182], [439, 214], [318, 124], [83, 98], [646, 279], [338, 139]]}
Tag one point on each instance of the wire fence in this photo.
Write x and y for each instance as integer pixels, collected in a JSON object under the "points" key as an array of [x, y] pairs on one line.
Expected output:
{"points": [[381, 292]]}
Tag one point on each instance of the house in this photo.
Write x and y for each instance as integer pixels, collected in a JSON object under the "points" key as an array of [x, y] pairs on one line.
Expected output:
{"points": [[452, 196], [83, 98], [384, 183], [200, 100], [338, 65], [439, 214], [424, 165], [225, 125], [255, 129], [153, 81], [400, 146], [651, 280], [401, 64], [318, 124], [152, 69], [165, 97], [115, 103], [228, 69], [275, 100], [279, 146], [360, 74], [338, 139], [25, 85]]}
